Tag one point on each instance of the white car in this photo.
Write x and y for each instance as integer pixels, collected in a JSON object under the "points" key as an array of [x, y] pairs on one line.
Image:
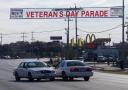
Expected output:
{"points": [[70, 69], [34, 69]]}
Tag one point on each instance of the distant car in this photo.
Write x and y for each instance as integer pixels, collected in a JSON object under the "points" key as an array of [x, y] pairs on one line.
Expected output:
{"points": [[101, 59], [70, 69], [111, 58], [34, 69], [80, 58]]}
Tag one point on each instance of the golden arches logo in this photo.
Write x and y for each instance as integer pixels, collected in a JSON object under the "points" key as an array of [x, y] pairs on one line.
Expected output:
{"points": [[90, 38], [72, 42]]}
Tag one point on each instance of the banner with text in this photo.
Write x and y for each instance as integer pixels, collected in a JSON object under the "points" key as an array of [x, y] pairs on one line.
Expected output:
{"points": [[58, 13]]}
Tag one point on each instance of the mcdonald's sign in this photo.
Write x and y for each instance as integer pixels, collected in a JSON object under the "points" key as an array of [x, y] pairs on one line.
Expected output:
{"points": [[90, 38], [79, 42], [72, 42], [90, 45]]}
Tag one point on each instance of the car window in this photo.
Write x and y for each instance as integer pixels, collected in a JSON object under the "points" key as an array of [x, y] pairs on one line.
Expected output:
{"points": [[36, 64], [62, 64], [57, 65], [21, 65], [25, 65], [75, 64]]}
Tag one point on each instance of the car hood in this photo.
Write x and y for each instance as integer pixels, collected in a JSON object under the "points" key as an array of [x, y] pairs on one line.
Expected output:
{"points": [[42, 68]]}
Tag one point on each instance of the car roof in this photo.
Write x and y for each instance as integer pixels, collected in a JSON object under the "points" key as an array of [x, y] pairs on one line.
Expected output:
{"points": [[71, 60], [31, 60]]}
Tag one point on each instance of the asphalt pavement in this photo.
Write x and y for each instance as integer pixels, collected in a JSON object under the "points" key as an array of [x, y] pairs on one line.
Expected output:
{"points": [[100, 81]]}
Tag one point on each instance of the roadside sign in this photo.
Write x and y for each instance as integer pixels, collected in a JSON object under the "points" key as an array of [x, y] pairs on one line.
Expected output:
{"points": [[56, 38], [60, 13]]}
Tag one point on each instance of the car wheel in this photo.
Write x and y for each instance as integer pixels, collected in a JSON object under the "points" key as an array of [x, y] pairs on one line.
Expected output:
{"points": [[64, 76], [52, 79], [71, 78], [86, 78], [38, 79], [17, 78], [30, 77]]}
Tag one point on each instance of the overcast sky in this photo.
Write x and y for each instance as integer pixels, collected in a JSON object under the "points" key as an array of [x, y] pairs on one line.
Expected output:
{"points": [[8, 26]]}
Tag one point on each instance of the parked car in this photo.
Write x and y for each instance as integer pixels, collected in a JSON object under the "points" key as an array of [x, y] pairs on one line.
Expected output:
{"points": [[70, 69], [34, 69], [101, 59]]}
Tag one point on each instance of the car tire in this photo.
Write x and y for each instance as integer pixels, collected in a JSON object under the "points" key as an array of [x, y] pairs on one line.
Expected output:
{"points": [[52, 79], [71, 78], [86, 78], [64, 76], [17, 78], [30, 77], [38, 79]]}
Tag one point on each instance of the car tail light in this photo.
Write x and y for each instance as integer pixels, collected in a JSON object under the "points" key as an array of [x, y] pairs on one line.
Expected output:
{"points": [[72, 69], [89, 69]]}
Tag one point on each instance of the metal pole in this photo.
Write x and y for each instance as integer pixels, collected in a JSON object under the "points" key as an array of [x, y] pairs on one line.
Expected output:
{"points": [[76, 29], [127, 33], [123, 23], [122, 48], [32, 38], [68, 33], [32, 33], [23, 36], [1, 37], [109, 38]]}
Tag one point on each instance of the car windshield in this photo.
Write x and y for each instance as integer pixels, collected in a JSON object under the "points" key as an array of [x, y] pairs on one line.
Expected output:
{"points": [[75, 63], [36, 64]]}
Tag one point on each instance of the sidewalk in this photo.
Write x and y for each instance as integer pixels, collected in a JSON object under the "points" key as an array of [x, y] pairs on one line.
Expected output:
{"points": [[103, 67]]}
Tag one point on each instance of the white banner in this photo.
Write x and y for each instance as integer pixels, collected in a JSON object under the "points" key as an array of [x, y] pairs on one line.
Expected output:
{"points": [[58, 13]]}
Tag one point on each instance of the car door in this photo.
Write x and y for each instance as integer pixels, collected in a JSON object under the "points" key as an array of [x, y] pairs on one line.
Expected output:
{"points": [[20, 69], [25, 70], [59, 68]]}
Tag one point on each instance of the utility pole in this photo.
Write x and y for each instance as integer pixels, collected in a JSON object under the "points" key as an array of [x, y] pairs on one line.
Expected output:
{"points": [[123, 22], [109, 38], [32, 38], [76, 28], [121, 63], [23, 36], [127, 33], [68, 34], [1, 38], [67, 30]]}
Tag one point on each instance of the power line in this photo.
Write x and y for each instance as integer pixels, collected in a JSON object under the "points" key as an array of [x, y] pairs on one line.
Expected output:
{"points": [[50, 31], [118, 26], [35, 32]]}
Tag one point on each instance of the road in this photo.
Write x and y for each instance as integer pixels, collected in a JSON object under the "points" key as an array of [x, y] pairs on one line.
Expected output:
{"points": [[100, 81]]}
